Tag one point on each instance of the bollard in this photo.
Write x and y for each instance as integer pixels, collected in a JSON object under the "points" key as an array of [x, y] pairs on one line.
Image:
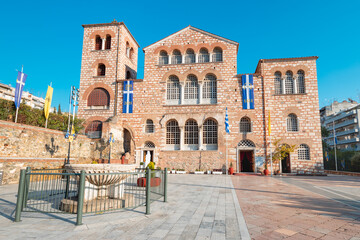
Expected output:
{"points": [[20, 196], [148, 172], [80, 198], [165, 184], [27, 185]]}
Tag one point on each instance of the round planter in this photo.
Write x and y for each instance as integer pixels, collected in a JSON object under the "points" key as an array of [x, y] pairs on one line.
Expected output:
{"points": [[231, 171], [266, 172], [154, 182]]}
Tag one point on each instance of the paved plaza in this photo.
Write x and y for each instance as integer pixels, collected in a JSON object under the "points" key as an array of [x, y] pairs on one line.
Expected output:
{"points": [[207, 207]]}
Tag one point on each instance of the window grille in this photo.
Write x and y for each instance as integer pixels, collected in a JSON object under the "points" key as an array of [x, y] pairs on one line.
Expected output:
{"points": [[98, 43], [304, 152], [163, 58], [301, 81], [101, 70], [191, 88], [245, 125], [108, 42], [292, 123], [210, 87], [99, 97], [289, 83], [172, 132], [173, 88], [176, 57], [94, 129], [278, 84], [217, 55], [149, 145], [210, 132], [190, 56], [203, 56], [191, 132], [149, 127], [246, 144]]}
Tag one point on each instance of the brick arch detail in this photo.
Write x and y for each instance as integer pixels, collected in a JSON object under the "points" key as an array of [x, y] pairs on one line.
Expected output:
{"points": [[93, 118], [193, 72], [159, 49], [98, 85], [154, 140], [210, 70], [293, 110], [176, 47], [293, 69], [172, 72], [102, 34], [189, 46], [218, 44], [202, 45], [103, 61]]}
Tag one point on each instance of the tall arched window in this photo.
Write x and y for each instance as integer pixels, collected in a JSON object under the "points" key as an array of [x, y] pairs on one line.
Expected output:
{"points": [[203, 56], [128, 49], [149, 127], [163, 58], [191, 133], [108, 42], [101, 70], [301, 81], [278, 83], [190, 56], [132, 54], [245, 125], [172, 135], [210, 89], [173, 90], [303, 152], [94, 129], [210, 132], [217, 55], [98, 42], [176, 57], [289, 83], [99, 97], [191, 93], [292, 123]]}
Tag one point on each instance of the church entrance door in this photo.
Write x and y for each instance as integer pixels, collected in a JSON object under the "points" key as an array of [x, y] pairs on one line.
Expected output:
{"points": [[246, 160], [285, 164]]}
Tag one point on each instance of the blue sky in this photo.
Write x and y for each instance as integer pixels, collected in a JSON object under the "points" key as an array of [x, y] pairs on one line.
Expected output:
{"points": [[46, 36]]}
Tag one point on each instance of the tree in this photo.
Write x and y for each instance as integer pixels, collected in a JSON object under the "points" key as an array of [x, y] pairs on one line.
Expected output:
{"points": [[59, 110], [281, 151]]}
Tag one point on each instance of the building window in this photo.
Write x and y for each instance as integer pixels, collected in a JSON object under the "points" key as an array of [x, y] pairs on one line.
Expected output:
{"points": [[289, 83], [191, 132], [149, 127], [128, 75], [304, 152], [191, 88], [217, 55], [99, 97], [131, 55], [203, 56], [210, 88], [163, 58], [149, 144], [172, 132], [108, 42], [278, 84], [173, 88], [190, 56], [292, 123], [210, 132], [301, 81], [101, 70], [176, 57], [94, 129], [128, 49], [246, 144], [98, 43], [245, 125]]}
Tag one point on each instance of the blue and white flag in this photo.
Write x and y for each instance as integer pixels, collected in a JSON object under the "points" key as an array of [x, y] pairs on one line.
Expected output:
{"points": [[247, 91], [128, 96], [227, 127], [20, 83]]}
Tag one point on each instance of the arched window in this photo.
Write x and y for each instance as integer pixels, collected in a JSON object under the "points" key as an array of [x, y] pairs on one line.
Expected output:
{"points": [[292, 123], [149, 144], [101, 70], [301, 81], [217, 55], [98, 42], [210, 132], [289, 83], [191, 132], [94, 129], [172, 133], [303, 152], [163, 58], [203, 56], [278, 83], [149, 127], [245, 125], [176, 57], [191, 93], [99, 97], [128, 49], [246, 144], [210, 89], [173, 90], [108, 42], [190, 56], [131, 55]]}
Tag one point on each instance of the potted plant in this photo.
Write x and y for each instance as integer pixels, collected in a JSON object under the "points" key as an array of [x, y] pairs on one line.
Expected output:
{"points": [[141, 164], [180, 171], [217, 171], [266, 170], [173, 171], [198, 171], [231, 169]]}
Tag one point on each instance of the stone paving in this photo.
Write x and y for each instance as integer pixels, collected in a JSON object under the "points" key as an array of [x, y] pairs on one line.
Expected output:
{"points": [[300, 207], [198, 207]]}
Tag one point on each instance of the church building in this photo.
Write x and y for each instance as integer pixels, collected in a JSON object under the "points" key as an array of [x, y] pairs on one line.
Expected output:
{"points": [[176, 113]]}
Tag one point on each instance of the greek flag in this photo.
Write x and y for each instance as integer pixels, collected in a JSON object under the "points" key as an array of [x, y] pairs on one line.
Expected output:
{"points": [[128, 96], [227, 127], [20, 83], [247, 91]]}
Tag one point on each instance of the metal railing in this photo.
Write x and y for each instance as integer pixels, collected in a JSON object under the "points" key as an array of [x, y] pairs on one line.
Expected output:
{"points": [[59, 191]]}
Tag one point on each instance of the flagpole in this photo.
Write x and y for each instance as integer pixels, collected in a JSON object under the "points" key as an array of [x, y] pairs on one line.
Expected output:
{"points": [[336, 168], [17, 109], [68, 129], [226, 152]]}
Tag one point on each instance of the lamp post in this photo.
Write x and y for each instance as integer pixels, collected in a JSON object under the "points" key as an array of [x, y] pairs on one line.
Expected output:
{"points": [[111, 141], [70, 134]]}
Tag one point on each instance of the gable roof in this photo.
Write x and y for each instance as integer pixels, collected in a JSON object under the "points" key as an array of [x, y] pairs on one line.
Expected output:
{"points": [[283, 59], [197, 30]]}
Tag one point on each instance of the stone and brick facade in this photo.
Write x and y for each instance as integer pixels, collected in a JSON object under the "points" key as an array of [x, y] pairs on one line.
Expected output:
{"points": [[190, 78]]}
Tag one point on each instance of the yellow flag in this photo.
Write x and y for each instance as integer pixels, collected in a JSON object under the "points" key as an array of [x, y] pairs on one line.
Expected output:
{"points": [[48, 101], [269, 122]]}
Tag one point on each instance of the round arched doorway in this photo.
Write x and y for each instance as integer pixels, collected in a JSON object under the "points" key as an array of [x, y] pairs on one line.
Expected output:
{"points": [[245, 156], [148, 151]]}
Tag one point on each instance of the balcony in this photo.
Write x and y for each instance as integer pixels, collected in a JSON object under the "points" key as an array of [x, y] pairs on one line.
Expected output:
{"points": [[343, 124], [339, 116]]}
